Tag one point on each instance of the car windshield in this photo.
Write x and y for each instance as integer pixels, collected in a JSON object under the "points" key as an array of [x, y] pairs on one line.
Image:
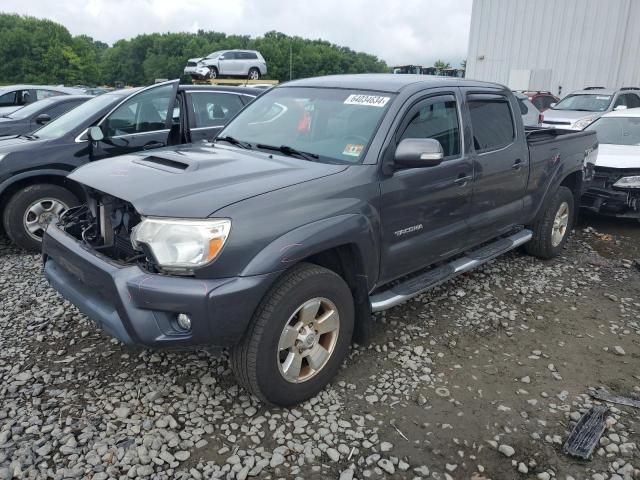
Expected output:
{"points": [[617, 130], [76, 117], [213, 55], [584, 102], [332, 125], [32, 109]]}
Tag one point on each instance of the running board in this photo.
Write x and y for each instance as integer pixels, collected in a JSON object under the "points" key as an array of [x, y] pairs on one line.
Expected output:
{"points": [[414, 286]]}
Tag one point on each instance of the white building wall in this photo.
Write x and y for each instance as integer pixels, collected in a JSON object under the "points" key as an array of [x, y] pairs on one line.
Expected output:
{"points": [[582, 42]]}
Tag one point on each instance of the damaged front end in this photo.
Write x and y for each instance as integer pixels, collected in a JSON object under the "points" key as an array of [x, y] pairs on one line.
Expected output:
{"points": [[614, 192], [104, 225]]}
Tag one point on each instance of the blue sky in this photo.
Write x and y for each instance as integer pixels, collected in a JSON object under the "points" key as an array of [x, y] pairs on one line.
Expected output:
{"points": [[398, 31]]}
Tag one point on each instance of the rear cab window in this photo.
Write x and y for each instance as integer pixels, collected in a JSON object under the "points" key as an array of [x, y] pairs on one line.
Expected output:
{"points": [[492, 121]]}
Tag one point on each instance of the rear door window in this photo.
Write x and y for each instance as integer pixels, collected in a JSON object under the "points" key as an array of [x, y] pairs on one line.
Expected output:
{"points": [[214, 109], [491, 122]]}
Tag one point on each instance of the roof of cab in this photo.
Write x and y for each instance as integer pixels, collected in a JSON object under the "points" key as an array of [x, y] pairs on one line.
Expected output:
{"points": [[386, 82]]}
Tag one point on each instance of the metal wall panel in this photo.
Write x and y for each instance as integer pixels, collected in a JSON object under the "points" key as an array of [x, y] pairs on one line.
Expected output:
{"points": [[583, 42]]}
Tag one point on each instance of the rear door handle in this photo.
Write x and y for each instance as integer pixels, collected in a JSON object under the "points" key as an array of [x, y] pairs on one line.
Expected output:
{"points": [[517, 164], [462, 180]]}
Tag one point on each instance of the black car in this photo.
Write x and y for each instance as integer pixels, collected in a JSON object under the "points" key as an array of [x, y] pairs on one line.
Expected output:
{"points": [[322, 201], [34, 115], [33, 168]]}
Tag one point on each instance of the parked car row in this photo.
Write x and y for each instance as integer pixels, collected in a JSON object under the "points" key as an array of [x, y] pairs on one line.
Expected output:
{"points": [[16, 96], [33, 168], [321, 201]]}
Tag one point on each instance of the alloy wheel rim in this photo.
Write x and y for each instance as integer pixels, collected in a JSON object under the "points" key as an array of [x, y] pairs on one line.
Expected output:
{"points": [[560, 224], [40, 213], [253, 75], [308, 340]]}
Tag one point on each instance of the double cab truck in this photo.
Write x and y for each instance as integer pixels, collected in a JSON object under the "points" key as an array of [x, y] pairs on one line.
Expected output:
{"points": [[34, 188], [324, 200]]}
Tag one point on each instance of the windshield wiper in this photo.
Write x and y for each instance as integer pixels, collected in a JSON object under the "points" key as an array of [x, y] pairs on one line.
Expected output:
{"points": [[233, 141], [287, 150], [28, 137]]}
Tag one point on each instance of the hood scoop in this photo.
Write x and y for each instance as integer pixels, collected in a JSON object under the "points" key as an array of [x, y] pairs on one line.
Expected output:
{"points": [[164, 163]]}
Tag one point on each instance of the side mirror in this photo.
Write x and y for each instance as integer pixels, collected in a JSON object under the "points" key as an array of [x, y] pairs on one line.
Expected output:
{"points": [[620, 107], [419, 152], [95, 134], [42, 119], [552, 105]]}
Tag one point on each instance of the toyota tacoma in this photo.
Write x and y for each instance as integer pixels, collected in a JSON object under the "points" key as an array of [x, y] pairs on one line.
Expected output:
{"points": [[324, 200]]}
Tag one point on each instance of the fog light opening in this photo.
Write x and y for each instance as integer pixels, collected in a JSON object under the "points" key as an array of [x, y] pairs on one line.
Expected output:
{"points": [[184, 321]]}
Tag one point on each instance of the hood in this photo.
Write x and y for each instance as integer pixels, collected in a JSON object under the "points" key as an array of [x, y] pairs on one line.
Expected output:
{"points": [[15, 143], [196, 60], [569, 116], [5, 110], [195, 181], [12, 126], [618, 156]]}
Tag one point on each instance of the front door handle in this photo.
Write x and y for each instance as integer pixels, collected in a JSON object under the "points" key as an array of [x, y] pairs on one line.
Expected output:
{"points": [[462, 180], [517, 164]]}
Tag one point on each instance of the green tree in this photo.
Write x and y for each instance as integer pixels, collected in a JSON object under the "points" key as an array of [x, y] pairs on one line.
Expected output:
{"points": [[440, 65]]}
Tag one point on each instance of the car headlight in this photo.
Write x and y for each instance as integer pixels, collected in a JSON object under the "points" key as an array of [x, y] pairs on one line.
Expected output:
{"points": [[180, 245], [628, 182], [584, 122]]}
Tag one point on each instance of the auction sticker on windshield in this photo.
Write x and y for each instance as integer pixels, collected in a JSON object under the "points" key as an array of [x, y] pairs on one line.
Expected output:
{"points": [[353, 150], [370, 100]]}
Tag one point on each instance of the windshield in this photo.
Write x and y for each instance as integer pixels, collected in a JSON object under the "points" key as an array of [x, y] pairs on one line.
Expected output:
{"points": [[77, 117], [584, 102], [617, 130], [336, 125], [32, 109], [213, 55]]}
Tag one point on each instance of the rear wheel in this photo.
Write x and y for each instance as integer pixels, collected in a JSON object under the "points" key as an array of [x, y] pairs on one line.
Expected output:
{"points": [[551, 230], [30, 210], [254, 74], [298, 337]]}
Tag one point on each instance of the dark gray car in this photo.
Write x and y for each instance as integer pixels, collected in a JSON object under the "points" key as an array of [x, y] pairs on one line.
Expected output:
{"points": [[35, 115], [322, 201]]}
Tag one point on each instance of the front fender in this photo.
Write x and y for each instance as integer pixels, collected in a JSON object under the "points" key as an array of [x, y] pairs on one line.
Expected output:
{"points": [[31, 173], [316, 237]]}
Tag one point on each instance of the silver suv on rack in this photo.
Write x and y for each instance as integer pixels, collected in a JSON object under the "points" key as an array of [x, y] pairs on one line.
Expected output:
{"points": [[229, 63]]}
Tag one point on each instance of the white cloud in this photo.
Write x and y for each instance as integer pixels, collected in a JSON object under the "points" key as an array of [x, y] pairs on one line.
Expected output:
{"points": [[398, 31]]}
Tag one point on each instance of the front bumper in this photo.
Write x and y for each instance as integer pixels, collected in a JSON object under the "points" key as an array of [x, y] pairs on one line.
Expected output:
{"points": [[617, 203], [196, 71], [141, 308]]}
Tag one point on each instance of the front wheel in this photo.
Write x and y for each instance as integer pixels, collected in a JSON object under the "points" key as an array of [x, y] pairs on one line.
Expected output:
{"points": [[31, 209], [551, 230], [213, 73], [298, 337]]}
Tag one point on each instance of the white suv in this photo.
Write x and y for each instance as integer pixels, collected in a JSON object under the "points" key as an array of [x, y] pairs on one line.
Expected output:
{"points": [[232, 63]]}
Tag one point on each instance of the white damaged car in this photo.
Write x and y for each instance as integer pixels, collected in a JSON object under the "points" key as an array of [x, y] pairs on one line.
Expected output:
{"points": [[616, 185], [228, 63]]}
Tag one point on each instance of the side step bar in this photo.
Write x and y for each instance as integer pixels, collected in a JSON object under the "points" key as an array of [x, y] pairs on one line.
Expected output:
{"points": [[414, 286]]}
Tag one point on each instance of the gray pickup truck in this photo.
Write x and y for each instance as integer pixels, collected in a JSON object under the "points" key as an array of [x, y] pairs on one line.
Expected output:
{"points": [[322, 201]]}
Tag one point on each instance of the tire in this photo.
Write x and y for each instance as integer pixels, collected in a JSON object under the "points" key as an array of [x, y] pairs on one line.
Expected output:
{"points": [[254, 74], [549, 236], [213, 73], [53, 200], [258, 362]]}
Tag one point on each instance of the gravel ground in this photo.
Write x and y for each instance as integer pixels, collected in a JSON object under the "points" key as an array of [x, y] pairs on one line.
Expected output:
{"points": [[481, 378]]}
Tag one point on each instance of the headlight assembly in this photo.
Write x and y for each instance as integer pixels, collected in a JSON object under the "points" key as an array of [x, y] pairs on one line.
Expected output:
{"points": [[180, 245], [628, 182], [584, 122]]}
